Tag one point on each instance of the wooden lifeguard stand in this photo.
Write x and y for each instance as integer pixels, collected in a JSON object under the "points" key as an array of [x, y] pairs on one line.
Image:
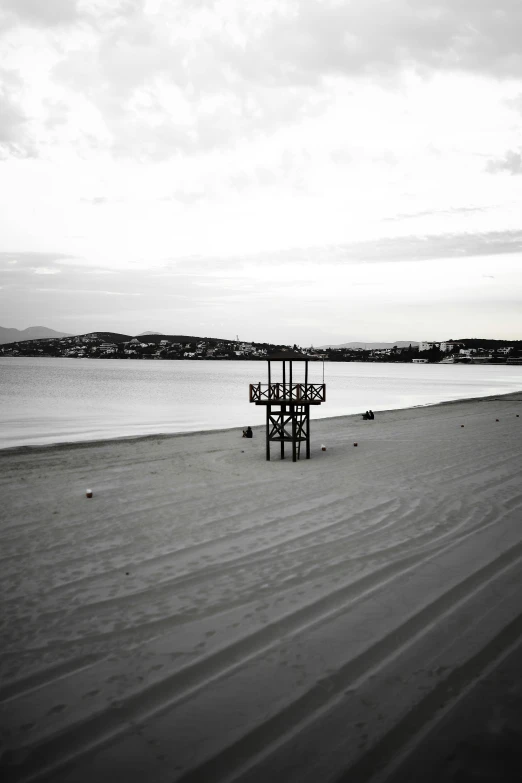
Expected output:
{"points": [[288, 404]]}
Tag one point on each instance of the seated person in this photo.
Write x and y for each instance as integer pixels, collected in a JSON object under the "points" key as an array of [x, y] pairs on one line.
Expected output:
{"points": [[366, 416], [371, 414], [248, 432]]}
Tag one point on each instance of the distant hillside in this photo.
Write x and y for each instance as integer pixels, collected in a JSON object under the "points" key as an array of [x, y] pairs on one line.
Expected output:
{"points": [[116, 337], [31, 333], [151, 337], [109, 337], [480, 342], [373, 346], [155, 338]]}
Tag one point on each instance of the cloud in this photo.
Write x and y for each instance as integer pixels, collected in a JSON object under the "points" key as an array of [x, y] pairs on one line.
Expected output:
{"points": [[115, 293], [46, 270], [85, 291], [350, 38], [411, 248], [511, 163], [199, 76], [32, 258], [429, 212], [41, 13], [96, 200], [20, 269], [431, 247], [15, 137]]}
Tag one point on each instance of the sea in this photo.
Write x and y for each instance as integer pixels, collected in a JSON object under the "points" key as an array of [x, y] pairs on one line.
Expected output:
{"points": [[45, 400]]}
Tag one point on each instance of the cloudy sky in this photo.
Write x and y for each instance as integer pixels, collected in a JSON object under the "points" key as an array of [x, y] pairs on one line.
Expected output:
{"points": [[301, 171]]}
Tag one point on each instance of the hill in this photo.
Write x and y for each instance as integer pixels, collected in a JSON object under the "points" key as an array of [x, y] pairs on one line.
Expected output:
{"points": [[108, 337], [31, 333], [482, 342], [150, 337], [373, 346]]}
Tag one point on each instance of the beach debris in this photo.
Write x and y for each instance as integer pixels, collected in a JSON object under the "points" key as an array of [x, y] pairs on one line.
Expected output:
{"points": [[88, 493], [461, 425], [497, 419], [323, 447], [355, 444]]}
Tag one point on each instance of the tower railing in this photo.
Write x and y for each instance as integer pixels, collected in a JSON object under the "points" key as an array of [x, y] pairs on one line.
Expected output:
{"points": [[288, 392]]}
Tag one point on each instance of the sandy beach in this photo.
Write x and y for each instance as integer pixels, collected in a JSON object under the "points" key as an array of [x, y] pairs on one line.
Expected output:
{"points": [[210, 616]]}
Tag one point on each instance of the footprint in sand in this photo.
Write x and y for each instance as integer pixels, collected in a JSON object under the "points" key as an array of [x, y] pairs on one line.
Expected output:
{"points": [[90, 694], [26, 726], [210, 633], [58, 708]]}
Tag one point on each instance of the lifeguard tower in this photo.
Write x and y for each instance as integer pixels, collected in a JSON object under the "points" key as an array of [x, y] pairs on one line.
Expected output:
{"points": [[288, 403]]}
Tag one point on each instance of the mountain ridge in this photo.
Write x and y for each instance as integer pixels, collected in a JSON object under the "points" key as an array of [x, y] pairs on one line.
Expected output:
{"points": [[11, 335]]}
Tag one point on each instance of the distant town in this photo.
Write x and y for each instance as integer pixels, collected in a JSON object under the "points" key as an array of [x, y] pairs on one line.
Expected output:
{"points": [[110, 345]]}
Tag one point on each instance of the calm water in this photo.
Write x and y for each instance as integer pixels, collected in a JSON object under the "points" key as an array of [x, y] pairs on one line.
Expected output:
{"points": [[58, 400]]}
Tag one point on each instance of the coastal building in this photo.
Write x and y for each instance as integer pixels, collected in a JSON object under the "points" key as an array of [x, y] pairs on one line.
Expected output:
{"points": [[447, 347]]}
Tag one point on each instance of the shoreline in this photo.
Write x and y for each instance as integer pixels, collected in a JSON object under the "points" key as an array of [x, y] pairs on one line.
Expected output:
{"points": [[183, 434]]}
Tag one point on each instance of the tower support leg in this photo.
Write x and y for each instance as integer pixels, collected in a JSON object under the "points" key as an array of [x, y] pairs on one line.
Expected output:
{"points": [[268, 410], [294, 442], [283, 411]]}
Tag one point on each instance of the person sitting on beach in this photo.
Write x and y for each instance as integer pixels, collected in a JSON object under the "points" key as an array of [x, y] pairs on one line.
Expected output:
{"points": [[366, 416], [248, 432], [371, 415]]}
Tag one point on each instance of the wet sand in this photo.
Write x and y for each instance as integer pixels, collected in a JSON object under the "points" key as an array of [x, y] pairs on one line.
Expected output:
{"points": [[210, 616]]}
